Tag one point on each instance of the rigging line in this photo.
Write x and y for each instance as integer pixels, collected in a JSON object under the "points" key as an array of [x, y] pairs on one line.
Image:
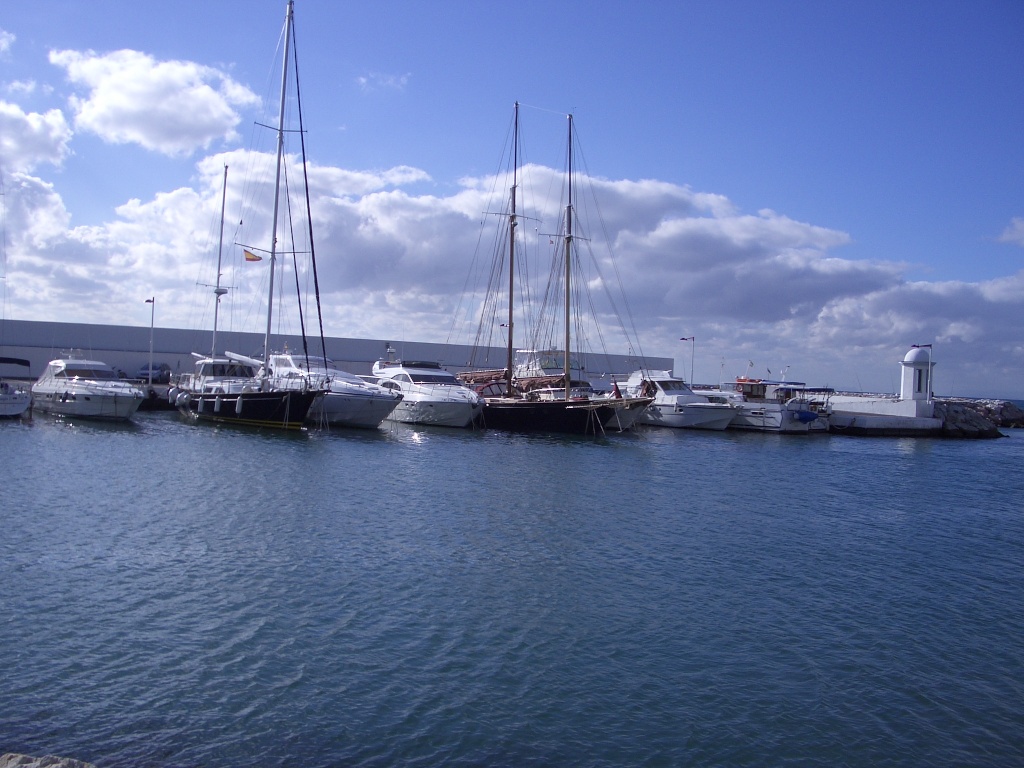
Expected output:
{"points": [[309, 215], [475, 262], [309, 218], [295, 264], [612, 259]]}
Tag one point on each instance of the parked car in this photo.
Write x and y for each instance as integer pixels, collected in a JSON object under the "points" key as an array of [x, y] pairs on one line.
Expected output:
{"points": [[161, 373]]}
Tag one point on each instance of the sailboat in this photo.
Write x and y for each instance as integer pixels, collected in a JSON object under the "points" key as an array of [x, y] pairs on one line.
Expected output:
{"points": [[541, 389], [226, 390]]}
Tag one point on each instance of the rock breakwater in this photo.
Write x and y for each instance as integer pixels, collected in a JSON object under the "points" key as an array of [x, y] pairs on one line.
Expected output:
{"points": [[968, 418]]}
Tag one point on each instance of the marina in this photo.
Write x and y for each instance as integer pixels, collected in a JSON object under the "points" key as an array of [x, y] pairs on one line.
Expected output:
{"points": [[332, 398]]}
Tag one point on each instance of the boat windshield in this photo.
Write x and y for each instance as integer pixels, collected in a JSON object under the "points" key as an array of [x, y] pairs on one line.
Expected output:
{"points": [[316, 363], [433, 378], [227, 370], [86, 373], [673, 385]]}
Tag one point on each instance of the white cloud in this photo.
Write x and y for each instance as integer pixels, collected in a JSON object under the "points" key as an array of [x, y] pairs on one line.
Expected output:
{"points": [[1014, 233], [21, 87], [394, 264], [30, 139], [378, 81], [6, 41], [172, 107]]}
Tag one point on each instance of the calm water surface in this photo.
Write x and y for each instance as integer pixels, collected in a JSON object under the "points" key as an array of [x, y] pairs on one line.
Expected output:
{"points": [[178, 595]]}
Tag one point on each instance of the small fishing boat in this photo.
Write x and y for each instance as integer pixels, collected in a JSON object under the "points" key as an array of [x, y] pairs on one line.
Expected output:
{"points": [[776, 406], [430, 394], [74, 386]]}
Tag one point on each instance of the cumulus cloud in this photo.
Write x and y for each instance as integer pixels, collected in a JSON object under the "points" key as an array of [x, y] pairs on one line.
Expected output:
{"points": [[171, 107], [1014, 233], [402, 265], [28, 139]]}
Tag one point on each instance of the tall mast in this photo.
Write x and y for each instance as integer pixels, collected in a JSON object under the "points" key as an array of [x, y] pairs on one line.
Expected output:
{"points": [[512, 249], [277, 183], [568, 267], [217, 290]]}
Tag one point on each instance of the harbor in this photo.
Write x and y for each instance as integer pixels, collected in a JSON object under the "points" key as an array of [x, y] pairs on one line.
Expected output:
{"points": [[415, 420]]}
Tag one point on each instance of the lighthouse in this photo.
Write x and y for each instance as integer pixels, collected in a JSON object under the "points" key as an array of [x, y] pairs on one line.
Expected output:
{"points": [[916, 385]]}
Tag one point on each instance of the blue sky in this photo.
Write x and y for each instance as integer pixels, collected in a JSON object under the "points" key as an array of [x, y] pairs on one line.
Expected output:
{"points": [[802, 184]]}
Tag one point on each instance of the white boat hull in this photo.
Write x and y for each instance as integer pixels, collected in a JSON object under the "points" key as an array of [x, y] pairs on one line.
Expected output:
{"points": [[714, 416], [88, 403], [13, 401], [769, 417], [628, 411], [437, 413], [336, 409]]}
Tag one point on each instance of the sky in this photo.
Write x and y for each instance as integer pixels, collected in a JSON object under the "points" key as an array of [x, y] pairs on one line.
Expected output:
{"points": [[801, 187]]}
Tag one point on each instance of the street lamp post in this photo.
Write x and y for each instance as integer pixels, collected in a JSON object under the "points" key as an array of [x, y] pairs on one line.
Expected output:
{"points": [[693, 343], [152, 316]]}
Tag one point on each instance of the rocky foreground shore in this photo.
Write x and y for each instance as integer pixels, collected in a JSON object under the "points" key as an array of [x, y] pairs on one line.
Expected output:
{"points": [[963, 417], [12, 760]]}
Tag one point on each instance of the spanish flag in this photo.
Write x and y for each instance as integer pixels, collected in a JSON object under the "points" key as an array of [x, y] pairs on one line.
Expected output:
{"points": [[250, 256]]}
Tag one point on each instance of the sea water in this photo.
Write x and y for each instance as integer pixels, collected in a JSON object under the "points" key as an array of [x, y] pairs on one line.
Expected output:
{"points": [[188, 595]]}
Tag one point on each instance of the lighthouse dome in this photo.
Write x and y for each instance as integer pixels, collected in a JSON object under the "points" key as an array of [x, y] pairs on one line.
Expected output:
{"points": [[917, 355]]}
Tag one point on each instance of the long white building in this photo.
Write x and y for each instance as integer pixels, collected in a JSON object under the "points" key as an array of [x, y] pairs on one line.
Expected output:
{"points": [[127, 347]]}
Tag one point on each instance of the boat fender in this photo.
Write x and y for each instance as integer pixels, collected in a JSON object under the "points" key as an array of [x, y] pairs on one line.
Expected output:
{"points": [[183, 399], [238, 406], [216, 404], [172, 395]]}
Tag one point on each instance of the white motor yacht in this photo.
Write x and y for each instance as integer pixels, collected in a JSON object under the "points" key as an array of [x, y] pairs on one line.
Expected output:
{"points": [[675, 404], [72, 386], [430, 394], [348, 401]]}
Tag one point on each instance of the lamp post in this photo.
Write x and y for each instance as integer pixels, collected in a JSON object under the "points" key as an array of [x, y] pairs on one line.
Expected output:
{"points": [[152, 316], [693, 343]]}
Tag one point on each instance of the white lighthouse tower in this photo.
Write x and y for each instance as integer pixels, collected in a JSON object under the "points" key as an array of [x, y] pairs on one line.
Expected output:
{"points": [[916, 385]]}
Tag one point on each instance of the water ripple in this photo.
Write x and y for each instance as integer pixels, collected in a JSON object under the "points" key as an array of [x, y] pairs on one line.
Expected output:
{"points": [[181, 596]]}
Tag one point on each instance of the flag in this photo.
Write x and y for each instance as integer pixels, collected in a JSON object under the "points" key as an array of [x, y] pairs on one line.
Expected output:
{"points": [[250, 256]]}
